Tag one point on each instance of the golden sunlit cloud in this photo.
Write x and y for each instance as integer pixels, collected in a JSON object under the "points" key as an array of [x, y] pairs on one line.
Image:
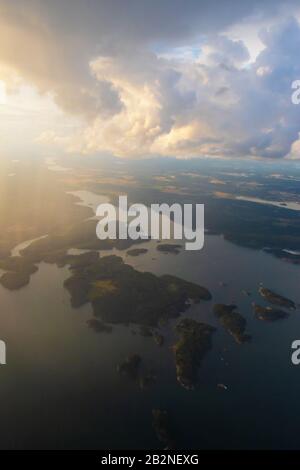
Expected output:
{"points": [[102, 86]]}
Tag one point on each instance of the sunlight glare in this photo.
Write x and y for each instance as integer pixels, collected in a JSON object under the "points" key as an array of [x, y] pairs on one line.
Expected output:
{"points": [[2, 93]]}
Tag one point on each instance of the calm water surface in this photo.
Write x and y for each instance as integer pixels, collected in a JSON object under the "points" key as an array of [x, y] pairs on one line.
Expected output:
{"points": [[60, 388]]}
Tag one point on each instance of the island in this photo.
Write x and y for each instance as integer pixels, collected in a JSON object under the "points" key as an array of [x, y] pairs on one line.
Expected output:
{"points": [[137, 251], [162, 427], [14, 280], [18, 272], [119, 293], [146, 331], [193, 343], [232, 321], [169, 248], [268, 313], [82, 235], [131, 368], [276, 299]]}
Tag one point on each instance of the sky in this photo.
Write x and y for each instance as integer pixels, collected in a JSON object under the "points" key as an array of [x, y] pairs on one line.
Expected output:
{"points": [[150, 78]]}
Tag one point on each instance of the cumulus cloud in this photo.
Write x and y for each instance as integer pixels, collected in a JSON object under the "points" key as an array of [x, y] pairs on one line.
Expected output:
{"points": [[100, 60], [216, 105]]}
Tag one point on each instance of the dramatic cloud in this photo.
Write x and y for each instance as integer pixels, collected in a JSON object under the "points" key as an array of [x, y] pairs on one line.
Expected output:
{"points": [[161, 77]]}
